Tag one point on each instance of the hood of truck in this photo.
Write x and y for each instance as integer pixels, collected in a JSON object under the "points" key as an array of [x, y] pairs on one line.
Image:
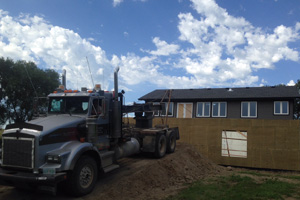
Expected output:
{"points": [[54, 122], [58, 128], [51, 129]]}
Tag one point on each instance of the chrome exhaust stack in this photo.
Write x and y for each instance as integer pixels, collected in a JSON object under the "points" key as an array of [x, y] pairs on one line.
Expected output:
{"points": [[117, 118]]}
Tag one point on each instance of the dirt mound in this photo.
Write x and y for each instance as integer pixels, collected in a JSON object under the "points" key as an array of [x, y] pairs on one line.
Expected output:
{"points": [[139, 177], [156, 179]]}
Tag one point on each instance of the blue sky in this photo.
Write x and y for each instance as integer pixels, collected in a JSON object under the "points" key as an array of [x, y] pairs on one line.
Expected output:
{"points": [[157, 43]]}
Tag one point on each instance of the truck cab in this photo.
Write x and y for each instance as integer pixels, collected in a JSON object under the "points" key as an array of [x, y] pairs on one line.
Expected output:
{"points": [[47, 148]]}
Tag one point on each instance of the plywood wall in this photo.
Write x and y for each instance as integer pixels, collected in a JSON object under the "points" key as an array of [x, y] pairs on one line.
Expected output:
{"points": [[271, 144]]}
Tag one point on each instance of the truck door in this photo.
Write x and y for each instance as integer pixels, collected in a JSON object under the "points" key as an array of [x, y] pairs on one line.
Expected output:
{"points": [[98, 109]]}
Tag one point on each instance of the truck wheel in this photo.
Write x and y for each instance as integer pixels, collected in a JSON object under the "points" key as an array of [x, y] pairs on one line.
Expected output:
{"points": [[171, 143], [84, 177], [160, 146]]}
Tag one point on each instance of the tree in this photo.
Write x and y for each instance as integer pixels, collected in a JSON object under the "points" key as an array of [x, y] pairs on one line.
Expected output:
{"points": [[20, 83], [297, 103]]}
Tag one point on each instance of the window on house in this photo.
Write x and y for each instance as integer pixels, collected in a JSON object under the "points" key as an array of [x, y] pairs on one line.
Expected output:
{"points": [[184, 110], [203, 109], [249, 109], [219, 109], [164, 110], [281, 108]]}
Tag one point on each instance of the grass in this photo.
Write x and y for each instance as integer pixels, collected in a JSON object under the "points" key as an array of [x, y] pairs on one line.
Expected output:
{"points": [[239, 187], [293, 177], [255, 173]]}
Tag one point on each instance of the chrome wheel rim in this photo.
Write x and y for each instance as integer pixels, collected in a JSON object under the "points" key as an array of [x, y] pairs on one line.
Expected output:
{"points": [[86, 177]]}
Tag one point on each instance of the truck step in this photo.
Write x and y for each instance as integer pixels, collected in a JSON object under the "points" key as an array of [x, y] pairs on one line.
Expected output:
{"points": [[107, 158], [107, 154], [110, 168]]}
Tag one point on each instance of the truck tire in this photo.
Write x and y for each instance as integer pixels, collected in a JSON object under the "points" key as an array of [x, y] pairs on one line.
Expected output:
{"points": [[160, 146], [83, 178], [171, 143]]}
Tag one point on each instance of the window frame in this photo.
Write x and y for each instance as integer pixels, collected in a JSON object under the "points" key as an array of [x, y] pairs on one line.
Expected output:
{"points": [[219, 109], [249, 109], [288, 108], [203, 109], [184, 107]]}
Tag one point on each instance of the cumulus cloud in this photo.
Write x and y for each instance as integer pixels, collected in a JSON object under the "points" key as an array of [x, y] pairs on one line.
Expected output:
{"points": [[163, 48], [229, 49], [136, 70], [34, 39], [291, 83]]}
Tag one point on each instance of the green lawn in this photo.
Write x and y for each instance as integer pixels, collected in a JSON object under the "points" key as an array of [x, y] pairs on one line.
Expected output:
{"points": [[242, 186]]}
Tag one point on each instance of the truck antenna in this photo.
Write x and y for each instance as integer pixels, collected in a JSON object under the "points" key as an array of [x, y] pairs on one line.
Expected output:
{"points": [[90, 71], [31, 82]]}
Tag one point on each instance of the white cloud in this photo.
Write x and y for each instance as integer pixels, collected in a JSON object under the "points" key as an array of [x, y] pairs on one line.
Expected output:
{"points": [[117, 2], [291, 83], [126, 34], [163, 48], [135, 70], [34, 39], [228, 49]]}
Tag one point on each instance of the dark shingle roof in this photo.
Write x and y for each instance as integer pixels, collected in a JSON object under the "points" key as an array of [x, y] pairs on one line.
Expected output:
{"points": [[279, 92]]}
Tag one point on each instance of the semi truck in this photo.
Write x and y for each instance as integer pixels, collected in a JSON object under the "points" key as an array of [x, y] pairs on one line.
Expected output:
{"points": [[82, 135]]}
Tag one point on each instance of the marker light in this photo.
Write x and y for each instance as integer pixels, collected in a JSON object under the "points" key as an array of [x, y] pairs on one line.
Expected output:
{"points": [[97, 87]]}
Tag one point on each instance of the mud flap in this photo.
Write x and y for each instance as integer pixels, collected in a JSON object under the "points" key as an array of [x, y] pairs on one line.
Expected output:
{"points": [[175, 131], [149, 143]]}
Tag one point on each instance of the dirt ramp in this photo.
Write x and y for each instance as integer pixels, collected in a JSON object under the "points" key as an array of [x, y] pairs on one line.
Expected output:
{"points": [[148, 178]]}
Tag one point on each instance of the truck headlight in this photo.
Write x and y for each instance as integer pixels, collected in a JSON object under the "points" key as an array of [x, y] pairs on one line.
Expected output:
{"points": [[53, 158]]}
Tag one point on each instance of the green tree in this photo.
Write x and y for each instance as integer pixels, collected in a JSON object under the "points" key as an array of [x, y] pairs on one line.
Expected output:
{"points": [[297, 103], [20, 83]]}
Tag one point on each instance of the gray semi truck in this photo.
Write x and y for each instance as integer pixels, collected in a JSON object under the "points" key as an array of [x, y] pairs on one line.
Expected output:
{"points": [[82, 135]]}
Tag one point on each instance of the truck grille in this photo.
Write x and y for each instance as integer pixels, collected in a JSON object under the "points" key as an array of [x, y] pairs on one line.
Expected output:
{"points": [[18, 152]]}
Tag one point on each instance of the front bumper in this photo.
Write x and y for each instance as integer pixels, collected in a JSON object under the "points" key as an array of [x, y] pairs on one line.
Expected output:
{"points": [[12, 178]]}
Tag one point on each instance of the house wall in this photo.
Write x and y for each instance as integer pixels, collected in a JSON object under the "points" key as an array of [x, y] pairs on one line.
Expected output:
{"points": [[234, 109], [265, 109], [270, 144]]}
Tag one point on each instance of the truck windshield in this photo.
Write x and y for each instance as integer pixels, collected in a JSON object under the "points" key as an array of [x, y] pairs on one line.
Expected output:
{"points": [[71, 105]]}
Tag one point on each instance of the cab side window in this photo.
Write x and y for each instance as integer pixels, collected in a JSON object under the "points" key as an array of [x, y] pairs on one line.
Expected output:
{"points": [[96, 107]]}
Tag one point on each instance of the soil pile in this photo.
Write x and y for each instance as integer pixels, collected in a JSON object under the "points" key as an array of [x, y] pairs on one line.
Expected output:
{"points": [[158, 178]]}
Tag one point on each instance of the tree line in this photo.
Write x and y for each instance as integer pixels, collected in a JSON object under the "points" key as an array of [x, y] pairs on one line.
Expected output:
{"points": [[297, 103], [20, 83]]}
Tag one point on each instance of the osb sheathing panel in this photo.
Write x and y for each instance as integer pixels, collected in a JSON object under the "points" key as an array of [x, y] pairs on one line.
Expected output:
{"points": [[272, 144]]}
